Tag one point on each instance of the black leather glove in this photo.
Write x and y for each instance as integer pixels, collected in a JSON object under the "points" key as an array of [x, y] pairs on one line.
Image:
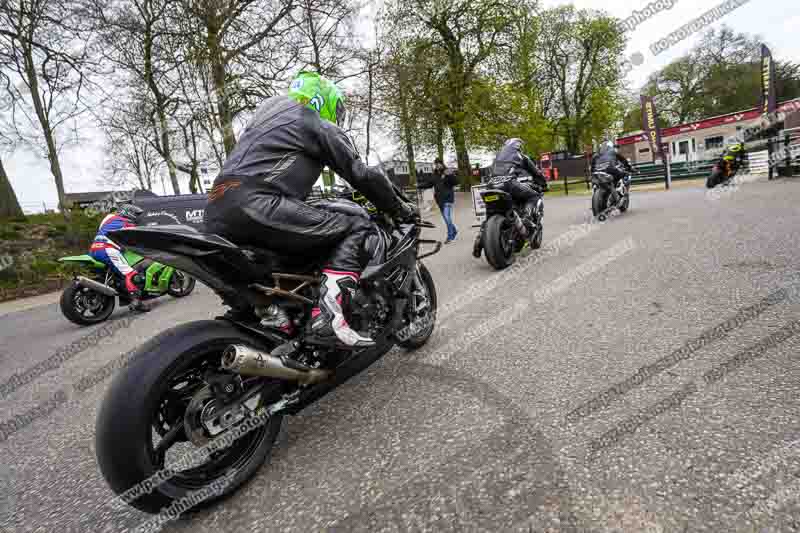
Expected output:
{"points": [[406, 212]]}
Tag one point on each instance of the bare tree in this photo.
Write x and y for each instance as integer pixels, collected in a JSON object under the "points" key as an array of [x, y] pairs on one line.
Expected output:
{"points": [[131, 156], [234, 40], [134, 41], [326, 42], [9, 204], [48, 47]]}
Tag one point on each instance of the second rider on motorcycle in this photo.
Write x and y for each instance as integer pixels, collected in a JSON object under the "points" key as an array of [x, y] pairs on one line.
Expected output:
{"points": [[609, 160], [510, 161], [259, 197]]}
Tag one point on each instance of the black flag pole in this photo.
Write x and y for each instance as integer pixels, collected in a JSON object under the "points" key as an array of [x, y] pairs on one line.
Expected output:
{"points": [[768, 101]]}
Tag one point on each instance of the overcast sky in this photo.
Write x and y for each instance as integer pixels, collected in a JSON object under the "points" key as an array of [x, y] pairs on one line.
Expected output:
{"points": [[777, 21]]}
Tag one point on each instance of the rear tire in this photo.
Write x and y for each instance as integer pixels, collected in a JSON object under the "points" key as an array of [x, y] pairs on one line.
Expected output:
{"points": [[69, 305], [178, 288], [499, 252], [599, 202], [125, 421]]}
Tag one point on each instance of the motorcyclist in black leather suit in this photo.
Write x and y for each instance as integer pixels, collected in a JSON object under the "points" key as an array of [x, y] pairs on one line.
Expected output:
{"points": [[258, 197], [511, 161], [609, 160]]}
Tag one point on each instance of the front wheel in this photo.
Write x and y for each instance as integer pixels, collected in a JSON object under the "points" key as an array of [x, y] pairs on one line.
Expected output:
{"points": [[714, 179], [421, 328], [181, 284], [625, 203], [151, 421], [83, 306], [498, 242], [536, 242]]}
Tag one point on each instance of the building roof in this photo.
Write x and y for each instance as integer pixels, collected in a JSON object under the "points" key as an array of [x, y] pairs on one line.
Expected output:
{"points": [[729, 118]]}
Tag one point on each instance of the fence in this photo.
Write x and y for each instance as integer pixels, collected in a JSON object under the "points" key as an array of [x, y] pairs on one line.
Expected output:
{"points": [[757, 163], [785, 149]]}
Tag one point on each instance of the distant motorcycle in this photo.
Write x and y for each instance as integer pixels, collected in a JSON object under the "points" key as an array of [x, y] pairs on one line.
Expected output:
{"points": [[728, 165], [722, 172], [91, 300], [507, 227], [606, 197]]}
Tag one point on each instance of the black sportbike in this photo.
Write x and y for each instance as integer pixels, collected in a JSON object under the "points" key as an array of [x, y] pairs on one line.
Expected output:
{"points": [[507, 227], [606, 197], [197, 409]]}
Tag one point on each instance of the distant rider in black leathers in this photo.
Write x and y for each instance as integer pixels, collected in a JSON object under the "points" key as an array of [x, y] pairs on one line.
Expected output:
{"points": [[609, 160], [510, 161]]}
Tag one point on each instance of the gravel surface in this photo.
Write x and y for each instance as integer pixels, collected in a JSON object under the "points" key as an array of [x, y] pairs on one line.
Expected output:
{"points": [[470, 433]]}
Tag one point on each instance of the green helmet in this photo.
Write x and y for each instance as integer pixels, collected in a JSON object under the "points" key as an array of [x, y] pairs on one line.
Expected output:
{"points": [[320, 94]]}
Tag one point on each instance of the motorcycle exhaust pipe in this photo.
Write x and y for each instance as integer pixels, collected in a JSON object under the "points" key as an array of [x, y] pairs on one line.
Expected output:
{"points": [[520, 225], [95, 286], [247, 361]]}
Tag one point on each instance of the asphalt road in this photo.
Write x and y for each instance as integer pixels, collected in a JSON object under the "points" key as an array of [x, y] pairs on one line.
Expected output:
{"points": [[491, 426]]}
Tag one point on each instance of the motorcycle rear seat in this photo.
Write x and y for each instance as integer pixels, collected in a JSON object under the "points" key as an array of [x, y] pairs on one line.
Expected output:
{"points": [[187, 240]]}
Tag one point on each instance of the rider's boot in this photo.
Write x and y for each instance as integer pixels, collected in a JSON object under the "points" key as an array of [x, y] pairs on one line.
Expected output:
{"points": [[328, 326], [134, 293]]}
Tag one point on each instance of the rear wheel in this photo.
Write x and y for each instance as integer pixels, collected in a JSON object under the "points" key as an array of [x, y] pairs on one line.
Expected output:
{"points": [[83, 306], [498, 242], [181, 284], [151, 421], [599, 202]]}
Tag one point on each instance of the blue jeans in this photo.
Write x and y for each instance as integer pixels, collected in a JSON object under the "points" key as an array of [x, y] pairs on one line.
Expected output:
{"points": [[447, 215]]}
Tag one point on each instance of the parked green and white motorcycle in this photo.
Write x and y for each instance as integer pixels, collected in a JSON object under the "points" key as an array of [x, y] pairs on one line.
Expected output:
{"points": [[91, 299]]}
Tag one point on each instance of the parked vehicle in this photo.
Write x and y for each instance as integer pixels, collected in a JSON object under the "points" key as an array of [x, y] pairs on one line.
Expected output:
{"points": [[507, 227], [91, 299], [606, 197], [231, 380]]}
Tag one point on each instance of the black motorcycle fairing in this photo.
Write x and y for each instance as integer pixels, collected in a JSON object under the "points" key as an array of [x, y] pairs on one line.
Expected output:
{"points": [[403, 253], [341, 205], [602, 179]]}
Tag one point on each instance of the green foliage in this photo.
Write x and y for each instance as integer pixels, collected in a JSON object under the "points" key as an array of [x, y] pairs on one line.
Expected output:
{"points": [[39, 241], [500, 111], [8, 233]]}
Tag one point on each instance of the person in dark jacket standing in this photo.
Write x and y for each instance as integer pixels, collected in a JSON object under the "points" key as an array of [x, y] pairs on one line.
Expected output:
{"points": [[258, 198], [443, 182]]}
